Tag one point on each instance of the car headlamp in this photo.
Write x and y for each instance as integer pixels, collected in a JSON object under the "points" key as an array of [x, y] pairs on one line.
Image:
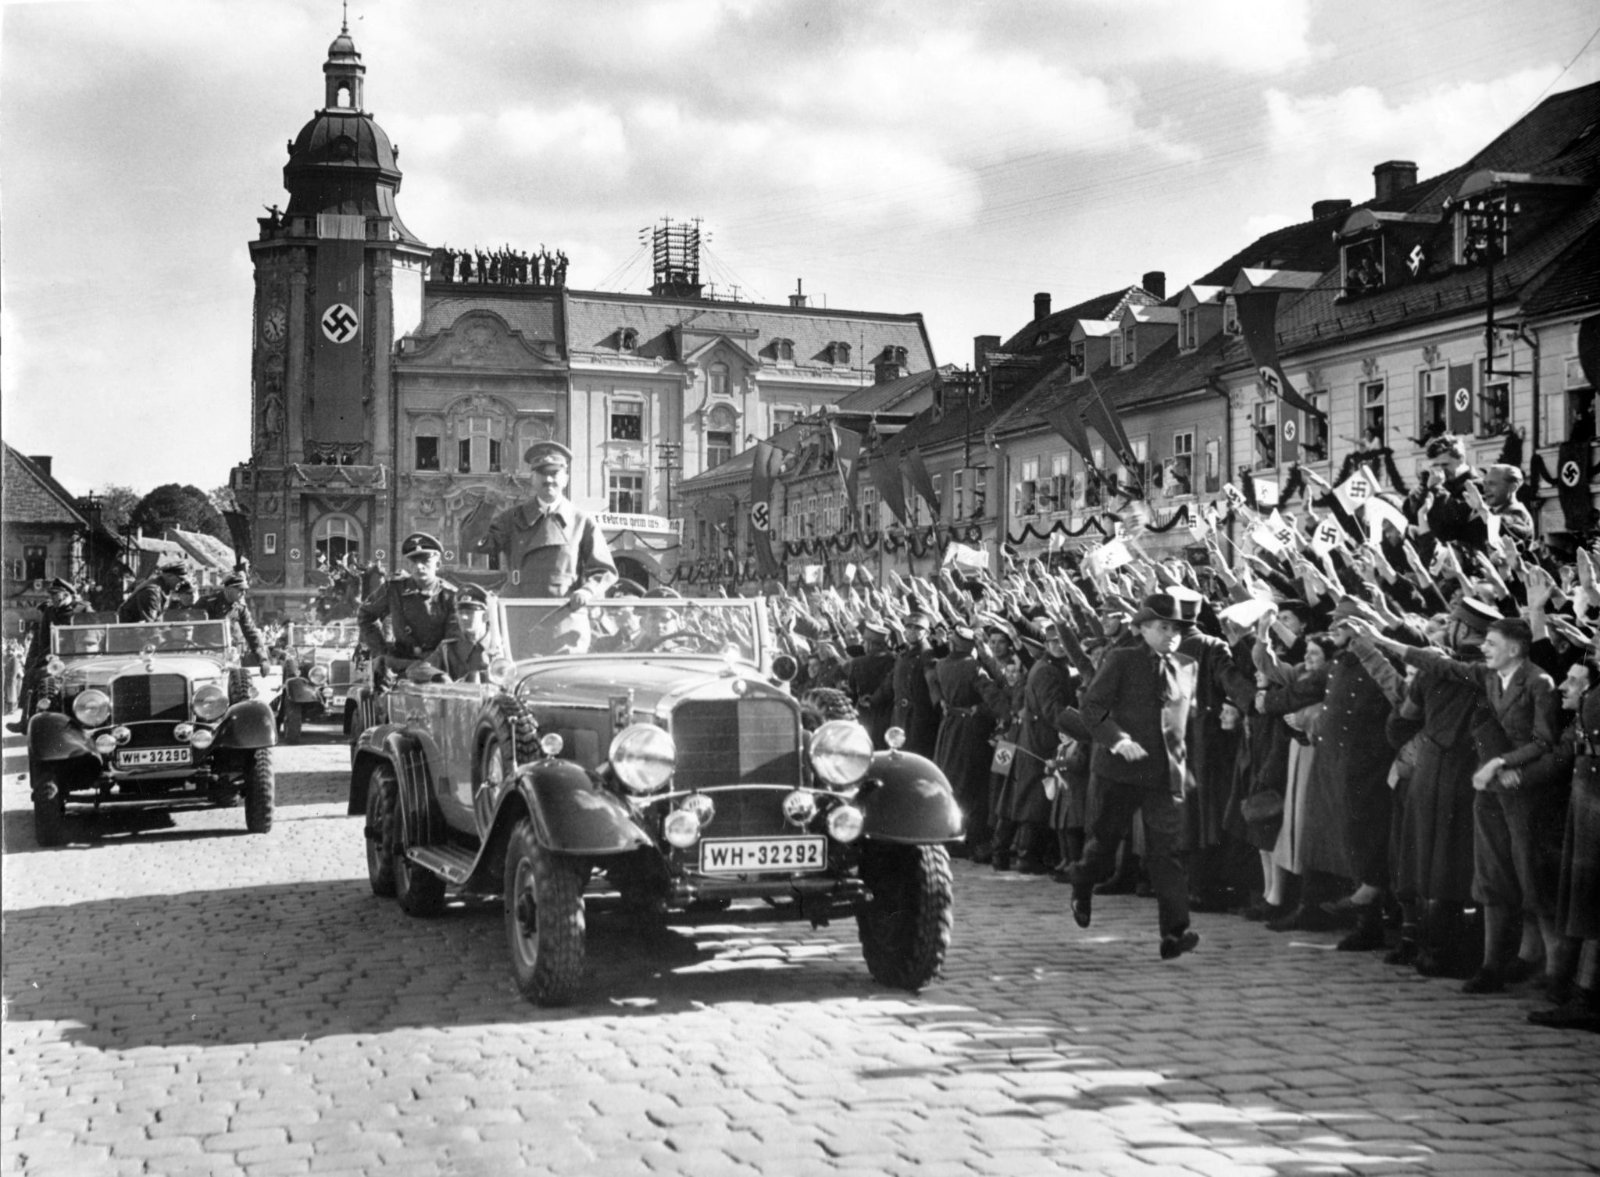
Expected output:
{"points": [[643, 757], [92, 708], [210, 703], [682, 828], [841, 751], [318, 674], [105, 743]]}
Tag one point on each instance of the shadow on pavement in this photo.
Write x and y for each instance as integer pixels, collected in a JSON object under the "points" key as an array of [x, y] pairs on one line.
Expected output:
{"points": [[304, 961]]}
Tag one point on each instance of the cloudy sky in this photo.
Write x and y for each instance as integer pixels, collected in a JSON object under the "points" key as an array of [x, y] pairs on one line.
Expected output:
{"points": [[942, 156]]}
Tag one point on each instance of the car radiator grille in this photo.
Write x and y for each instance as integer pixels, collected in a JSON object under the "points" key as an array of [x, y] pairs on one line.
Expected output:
{"points": [[724, 742], [339, 674], [150, 696]]}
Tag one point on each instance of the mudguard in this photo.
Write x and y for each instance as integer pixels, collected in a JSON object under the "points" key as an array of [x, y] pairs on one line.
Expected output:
{"points": [[301, 691], [52, 736], [247, 725], [388, 742], [907, 799], [572, 816]]}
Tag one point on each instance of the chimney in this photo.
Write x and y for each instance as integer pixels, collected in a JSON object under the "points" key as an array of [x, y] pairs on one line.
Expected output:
{"points": [[42, 461], [798, 298], [1394, 176], [1041, 306], [1327, 208], [982, 345], [1156, 283]]}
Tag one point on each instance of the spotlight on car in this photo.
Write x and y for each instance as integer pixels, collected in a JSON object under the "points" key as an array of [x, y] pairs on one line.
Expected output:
{"points": [[799, 807], [643, 757], [54, 667], [92, 708], [895, 738], [841, 752], [202, 737], [551, 744], [210, 704], [682, 828], [503, 672], [844, 823]]}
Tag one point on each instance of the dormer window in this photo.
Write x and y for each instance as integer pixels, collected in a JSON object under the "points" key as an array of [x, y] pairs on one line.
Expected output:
{"points": [[1116, 350], [783, 349], [1362, 266], [718, 377], [1230, 317], [627, 339], [1077, 357], [838, 352], [1188, 329], [1483, 229]]}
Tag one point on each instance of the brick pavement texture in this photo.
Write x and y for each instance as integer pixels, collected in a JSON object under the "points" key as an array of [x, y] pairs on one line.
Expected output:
{"points": [[181, 998]]}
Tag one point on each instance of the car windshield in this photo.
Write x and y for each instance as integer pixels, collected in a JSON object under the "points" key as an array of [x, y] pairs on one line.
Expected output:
{"points": [[633, 625], [164, 637], [327, 633]]}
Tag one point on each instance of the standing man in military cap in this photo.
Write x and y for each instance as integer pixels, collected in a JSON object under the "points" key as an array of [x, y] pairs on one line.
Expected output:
{"points": [[553, 547], [419, 606], [150, 598], [867, 672], [907, 689], [228, 604], [63, 602]]}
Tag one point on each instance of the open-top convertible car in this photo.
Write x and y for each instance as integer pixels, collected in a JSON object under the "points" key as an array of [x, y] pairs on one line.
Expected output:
{"points": [[159, 713], [322, 664], [645, 749]]}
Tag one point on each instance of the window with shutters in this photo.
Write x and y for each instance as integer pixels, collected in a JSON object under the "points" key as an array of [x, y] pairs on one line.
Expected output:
{"points": [[1213, 465], [1433, 408], [479, 450], [1060, 483], [1181, 481], [1025, 494]]}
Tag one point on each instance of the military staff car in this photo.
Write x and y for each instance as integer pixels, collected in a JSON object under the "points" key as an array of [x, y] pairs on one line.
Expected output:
{"points": [[149, 714], [645, 751], [322, 665]]}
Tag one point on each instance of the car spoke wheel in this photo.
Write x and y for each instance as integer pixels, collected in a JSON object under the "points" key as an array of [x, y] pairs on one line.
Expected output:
{"points": [[49, 803], [905, 926], [382, 832], [293, 718], [544, 919], [260, 792]]}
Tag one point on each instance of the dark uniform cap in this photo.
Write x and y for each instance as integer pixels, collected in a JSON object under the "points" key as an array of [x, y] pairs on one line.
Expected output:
{"points": [[470, 596], [548, 453], [1475, 615], [235, 580], [175, 565], [419, 542], [57, 585]]}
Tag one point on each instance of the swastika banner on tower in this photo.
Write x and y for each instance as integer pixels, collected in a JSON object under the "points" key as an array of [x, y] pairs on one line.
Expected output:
{"points": [[338, 412]]}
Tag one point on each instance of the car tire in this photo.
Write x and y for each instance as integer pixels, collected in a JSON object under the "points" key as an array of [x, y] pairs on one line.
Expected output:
{"points": [[293, 718], [260, 792], [49, 803], [544, 919], [238, 685], [382, 830], [419, 890], [905, 926]]}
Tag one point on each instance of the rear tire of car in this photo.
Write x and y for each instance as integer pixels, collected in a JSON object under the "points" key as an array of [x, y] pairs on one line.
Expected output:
{"points": [[383, 809], [544, 919], [49, 803], [260, 792], [293, 718], [905, 926]]}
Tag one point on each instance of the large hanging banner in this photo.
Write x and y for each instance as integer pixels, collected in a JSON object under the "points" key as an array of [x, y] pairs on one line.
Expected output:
{"points": [[763, 477], [1258, 322], [338, 413], [1459, 412]]}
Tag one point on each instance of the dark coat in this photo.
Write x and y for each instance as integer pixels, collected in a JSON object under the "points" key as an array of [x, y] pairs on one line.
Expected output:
{"points": [[1051, 685], [1347, 826], [1125, 700], [417, 621], [1212, 750], [912, 702], [863, 678]]}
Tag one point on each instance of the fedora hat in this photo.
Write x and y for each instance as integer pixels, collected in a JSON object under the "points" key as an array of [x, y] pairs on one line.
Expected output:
{"points": [[1184, 610]]}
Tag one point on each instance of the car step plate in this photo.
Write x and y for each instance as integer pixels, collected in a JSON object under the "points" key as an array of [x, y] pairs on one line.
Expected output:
{"points": [[452, 863], [146, 757], [744, 856]]}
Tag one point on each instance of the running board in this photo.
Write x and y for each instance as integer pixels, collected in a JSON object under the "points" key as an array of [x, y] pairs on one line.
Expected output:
{"points": [[448, 862]]}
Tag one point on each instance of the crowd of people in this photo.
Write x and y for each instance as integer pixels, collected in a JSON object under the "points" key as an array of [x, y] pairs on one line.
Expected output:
{"points": [[1387, 730]]}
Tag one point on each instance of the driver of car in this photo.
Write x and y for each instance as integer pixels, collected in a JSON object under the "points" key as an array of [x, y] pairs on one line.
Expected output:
{"points": [[179, 637], [468, 656], [418, 608], [90, 641]]}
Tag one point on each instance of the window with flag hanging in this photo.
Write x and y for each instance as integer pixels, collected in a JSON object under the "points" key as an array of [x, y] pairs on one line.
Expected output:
{"points": [[1025, 493], [1314, 433], [1362, 266], [1494, 402], [1433, 411], [1264, 433]]}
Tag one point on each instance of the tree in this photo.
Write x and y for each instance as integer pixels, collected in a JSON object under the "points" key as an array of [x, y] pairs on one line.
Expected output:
{"points": [[116, 505], [171, 505], [222, 498]]}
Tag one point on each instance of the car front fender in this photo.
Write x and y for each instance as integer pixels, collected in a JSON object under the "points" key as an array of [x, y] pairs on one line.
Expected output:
{"points": [[52, 736], [571, 815], [301, 691], [907, 799], [385, 744], [247, 725]]}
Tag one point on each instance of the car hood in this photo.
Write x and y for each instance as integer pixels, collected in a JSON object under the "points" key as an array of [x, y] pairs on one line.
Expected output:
{"points": [[650, 678], [100, 671]]}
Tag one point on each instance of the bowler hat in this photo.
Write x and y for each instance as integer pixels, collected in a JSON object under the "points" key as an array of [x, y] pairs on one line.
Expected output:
{"points": [[548, 453], [1167, 607], [419, 543]]}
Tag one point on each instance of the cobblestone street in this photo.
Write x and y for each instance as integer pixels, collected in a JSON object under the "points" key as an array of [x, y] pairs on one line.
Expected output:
{"points": [[181, 997]]}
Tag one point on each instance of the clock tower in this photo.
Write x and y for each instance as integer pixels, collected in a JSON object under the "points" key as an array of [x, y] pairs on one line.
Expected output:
{"points": [[338, 278]]}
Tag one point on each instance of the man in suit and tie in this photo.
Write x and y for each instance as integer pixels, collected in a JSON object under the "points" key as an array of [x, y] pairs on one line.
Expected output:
{"points": [[1138, 709]]}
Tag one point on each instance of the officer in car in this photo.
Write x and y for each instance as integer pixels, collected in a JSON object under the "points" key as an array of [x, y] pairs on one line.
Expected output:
{"points": [[151, 598], [228, 604], [419, 608], [467, 656]]}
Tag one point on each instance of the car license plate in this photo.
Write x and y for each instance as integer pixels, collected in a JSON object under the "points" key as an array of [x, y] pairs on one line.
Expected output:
{"points": [[145, 757], [742, 856]]}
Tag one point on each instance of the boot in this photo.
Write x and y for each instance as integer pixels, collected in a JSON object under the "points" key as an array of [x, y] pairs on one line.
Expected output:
{"points": [[1368, 934]]}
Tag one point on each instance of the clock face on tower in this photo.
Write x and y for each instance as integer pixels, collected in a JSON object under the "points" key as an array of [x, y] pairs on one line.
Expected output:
{"points": [[274, 324]]}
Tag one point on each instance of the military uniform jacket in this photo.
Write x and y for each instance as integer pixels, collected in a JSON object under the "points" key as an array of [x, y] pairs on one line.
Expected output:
{"points": [[551, 552], [1125, 700], [419, 621], [50, 616], [146, 603], [217, 607]]}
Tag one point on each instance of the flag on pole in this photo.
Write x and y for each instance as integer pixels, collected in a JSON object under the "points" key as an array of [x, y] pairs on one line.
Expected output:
{"points": [[763, 477], [1258, 322], [1356, 490], [1099, 413], [847, 456], [1327, 536], [920, 480], [1266, 493], [1263, 537], [1281, 529]]}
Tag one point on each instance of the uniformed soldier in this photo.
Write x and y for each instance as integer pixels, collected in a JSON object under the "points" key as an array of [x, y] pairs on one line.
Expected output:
{"points": [[150, 598], [419, 607], [63, 602], [467, 656], [863, 677], [553, 548], [228, 604], [907, 687]]}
